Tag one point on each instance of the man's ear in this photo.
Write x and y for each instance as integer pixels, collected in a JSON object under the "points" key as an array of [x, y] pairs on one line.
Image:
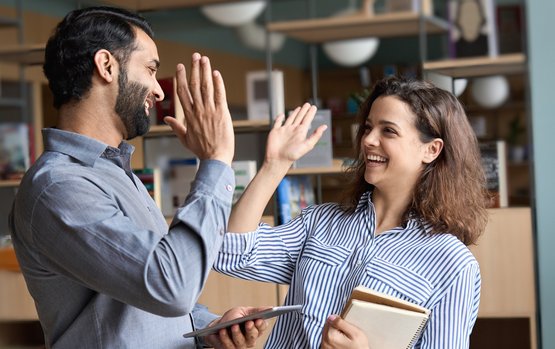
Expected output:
{"points": [[432, 150], [105, 64]]}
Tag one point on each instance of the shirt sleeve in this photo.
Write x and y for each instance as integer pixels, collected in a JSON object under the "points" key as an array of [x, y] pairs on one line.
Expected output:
{"points": [[267, 254], [453, 318], [82, 232]]}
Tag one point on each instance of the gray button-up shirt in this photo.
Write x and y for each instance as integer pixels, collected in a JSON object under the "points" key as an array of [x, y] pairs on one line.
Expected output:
{"points": [[97, 255]]}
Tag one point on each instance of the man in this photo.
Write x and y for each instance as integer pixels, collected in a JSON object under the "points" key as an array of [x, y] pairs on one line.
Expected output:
{"points": [[97, 255]]}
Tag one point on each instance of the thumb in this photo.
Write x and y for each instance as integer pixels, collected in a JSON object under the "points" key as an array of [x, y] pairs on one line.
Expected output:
{"points": [[177, 126], [342, 325], [316, 135]]}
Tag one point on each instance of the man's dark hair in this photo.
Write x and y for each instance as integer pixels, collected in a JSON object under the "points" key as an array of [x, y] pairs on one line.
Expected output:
{"points": [[69, 54]]}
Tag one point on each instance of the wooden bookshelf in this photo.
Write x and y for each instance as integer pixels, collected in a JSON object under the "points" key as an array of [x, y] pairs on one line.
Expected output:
{"points": [[336, 168], [23, 54], [150, 5], [239, 126], [394, 24], [5, 183], [479, 66]]}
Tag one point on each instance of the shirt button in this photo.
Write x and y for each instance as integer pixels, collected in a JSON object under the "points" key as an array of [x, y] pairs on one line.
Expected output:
{"points": [[229, 187], [359, 263], [222, 231]]}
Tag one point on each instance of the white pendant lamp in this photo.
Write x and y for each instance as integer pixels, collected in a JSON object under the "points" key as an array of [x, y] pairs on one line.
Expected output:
{"points": [[234, 14], [253, 36], [490, 91], [352, 52]]}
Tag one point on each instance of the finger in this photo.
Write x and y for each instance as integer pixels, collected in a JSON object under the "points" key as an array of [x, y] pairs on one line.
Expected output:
{"points": [[238, 337], [251, 333], [207, 85], [326, 331], [225, 339], [183, 88], [177, 127], [194, 84], [220, 98], [300, 115], [346, 328], [316, 135], [309, 116], [278, 122], [291, 117]]}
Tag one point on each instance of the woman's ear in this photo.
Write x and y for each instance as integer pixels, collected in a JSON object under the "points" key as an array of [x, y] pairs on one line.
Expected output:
{"points": [[432, 150], [105, 65]]}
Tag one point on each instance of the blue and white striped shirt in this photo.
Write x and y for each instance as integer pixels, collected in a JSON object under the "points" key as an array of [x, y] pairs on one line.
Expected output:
{"points": [[324, 253]]}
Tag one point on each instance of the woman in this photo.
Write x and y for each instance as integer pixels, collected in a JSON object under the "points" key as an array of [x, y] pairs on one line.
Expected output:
{"points": [[415, 201]]}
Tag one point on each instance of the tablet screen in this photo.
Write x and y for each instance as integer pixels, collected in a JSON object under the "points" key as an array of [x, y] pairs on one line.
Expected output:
{"points": [[264, 314]]}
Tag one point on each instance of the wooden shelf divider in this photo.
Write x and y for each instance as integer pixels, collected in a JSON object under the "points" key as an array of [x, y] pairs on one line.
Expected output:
{"points": [[238, 126], [479, 66], [32, 54], [394, 24]]}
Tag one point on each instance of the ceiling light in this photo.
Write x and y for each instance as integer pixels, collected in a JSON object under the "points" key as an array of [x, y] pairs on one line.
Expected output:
{"points": [[234, 14]]}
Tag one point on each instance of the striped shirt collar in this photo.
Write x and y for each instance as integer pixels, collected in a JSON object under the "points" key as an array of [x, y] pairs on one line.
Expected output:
{"points": [[414, 221]]}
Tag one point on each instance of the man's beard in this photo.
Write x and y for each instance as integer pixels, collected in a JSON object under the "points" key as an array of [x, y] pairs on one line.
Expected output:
{"points": [[130, 106]]}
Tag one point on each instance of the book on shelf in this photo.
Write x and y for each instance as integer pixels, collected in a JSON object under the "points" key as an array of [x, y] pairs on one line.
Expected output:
{"points": [[244, 170], [494, 162], [387, 321], [322, 154], [15, 150], [151, 179], [293, 194]]}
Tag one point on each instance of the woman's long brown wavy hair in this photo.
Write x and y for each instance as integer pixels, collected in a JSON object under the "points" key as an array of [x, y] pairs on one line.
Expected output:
{"points": [[450, 194]]}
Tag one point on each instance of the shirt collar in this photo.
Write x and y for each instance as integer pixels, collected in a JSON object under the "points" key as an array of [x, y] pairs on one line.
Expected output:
{"points": [[84, 149]]}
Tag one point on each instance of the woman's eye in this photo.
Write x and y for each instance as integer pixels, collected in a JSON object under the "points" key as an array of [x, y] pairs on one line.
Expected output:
{"points": [[389, 130]]}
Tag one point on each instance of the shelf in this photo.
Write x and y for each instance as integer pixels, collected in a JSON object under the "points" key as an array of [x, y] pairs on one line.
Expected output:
{"points": [[8, 102], [9, 183], [479, 66], [7, 22], [335, 168], [395, 24], [150, 5], [24, 54], [238, 126]]}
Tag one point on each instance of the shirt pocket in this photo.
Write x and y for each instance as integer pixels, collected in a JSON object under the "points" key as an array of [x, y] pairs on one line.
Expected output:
{"points": [[316, 250], [398, 281]]}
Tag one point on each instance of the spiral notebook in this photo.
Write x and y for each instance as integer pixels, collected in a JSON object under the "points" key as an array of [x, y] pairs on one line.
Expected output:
{"points": [[389, 322]]}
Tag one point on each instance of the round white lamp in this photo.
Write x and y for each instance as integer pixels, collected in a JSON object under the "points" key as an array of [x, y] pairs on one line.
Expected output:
{"points": [[490, 91], [234, 14], [457, 86], [353, 52], [253, 36]]}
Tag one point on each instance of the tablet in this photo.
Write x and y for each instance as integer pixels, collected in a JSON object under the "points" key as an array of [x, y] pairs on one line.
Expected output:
{"points": [[264, 314]]}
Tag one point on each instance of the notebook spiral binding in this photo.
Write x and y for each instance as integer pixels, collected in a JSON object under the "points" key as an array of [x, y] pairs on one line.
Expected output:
{"points": [[417, 334]]}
